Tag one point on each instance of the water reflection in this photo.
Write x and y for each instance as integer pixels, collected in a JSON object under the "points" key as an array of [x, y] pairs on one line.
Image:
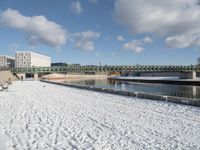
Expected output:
{"points": [[163, 89]]}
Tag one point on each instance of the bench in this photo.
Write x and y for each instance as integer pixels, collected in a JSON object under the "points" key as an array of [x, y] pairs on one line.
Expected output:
{"points": [[3, 87]]}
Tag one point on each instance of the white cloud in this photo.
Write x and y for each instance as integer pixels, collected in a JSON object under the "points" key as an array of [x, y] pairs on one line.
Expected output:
{"points": [[76, 7], [183, 41], [134, 45], [178, 19], [159, 17], [147, 40], [137, 45], [120, 38], [37, 28], [85, 40]]}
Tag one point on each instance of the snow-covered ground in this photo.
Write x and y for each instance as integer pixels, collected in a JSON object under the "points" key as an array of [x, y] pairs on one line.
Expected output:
{"points": [[36, 115]]}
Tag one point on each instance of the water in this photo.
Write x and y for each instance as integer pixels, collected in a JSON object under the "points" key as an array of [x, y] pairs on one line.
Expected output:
{"points": [[151, 88]]}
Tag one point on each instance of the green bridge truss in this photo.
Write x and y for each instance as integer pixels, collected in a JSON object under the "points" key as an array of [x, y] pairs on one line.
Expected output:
{"points": [[120, 69]]}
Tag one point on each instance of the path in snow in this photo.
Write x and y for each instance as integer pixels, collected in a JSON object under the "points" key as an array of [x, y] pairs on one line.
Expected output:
{"points": [[54, 117]]}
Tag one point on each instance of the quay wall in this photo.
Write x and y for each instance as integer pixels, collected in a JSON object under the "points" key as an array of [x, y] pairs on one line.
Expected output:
{"points": [[172, 99], [181, 75], [162, 81], [63, 76], [57, 76]]}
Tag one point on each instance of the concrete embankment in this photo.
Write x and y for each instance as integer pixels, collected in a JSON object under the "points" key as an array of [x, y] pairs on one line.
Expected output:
{"points": [[178, 100], [195, 82], [5, 76], [57, 76]]}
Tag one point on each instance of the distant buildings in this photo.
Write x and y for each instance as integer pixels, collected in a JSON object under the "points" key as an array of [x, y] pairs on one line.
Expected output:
{"points": [[75, 65], [24, 59], [6, 62], [59, 64]]}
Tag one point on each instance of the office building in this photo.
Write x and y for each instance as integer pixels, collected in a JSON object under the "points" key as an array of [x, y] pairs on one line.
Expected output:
{"points": [[6, 62], [25, 59]]}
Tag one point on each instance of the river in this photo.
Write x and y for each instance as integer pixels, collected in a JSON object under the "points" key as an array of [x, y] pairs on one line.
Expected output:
{"points": [[185, 91]]}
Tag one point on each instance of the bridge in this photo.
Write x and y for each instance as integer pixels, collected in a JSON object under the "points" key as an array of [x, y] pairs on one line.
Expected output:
{"points": [[120, 69], [148, 69]]}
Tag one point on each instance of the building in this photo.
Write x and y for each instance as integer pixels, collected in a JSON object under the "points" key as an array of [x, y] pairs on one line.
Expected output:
{"points": [[75, 65], [59, 64], [24, 59], [6, 62]]}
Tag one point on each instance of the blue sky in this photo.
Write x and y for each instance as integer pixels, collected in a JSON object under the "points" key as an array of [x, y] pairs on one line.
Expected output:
{"points": [[115, 32]]}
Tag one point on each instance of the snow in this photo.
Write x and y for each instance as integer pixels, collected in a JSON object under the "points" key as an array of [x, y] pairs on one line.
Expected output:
{"points": [[36, 115], [148, 78]]}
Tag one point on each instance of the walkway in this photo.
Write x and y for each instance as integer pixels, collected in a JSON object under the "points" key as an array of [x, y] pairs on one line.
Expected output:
{"points": [[35, 115]]}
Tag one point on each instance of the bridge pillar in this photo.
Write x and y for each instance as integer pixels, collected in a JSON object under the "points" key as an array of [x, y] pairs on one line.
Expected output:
{"points": [[21, 76], [36, 76], [194, 90], [194, 75], [190, 75]]}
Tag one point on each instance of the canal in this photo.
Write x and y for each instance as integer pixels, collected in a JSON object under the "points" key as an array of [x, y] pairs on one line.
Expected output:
{"points": [[185, 91]]}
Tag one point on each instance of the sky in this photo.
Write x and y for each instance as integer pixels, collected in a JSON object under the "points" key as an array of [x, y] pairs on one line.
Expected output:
{"points": [[113, 32]]}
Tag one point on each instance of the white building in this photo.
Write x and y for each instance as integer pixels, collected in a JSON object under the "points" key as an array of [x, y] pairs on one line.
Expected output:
{"points": [[6, 62], [24, 59]]}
